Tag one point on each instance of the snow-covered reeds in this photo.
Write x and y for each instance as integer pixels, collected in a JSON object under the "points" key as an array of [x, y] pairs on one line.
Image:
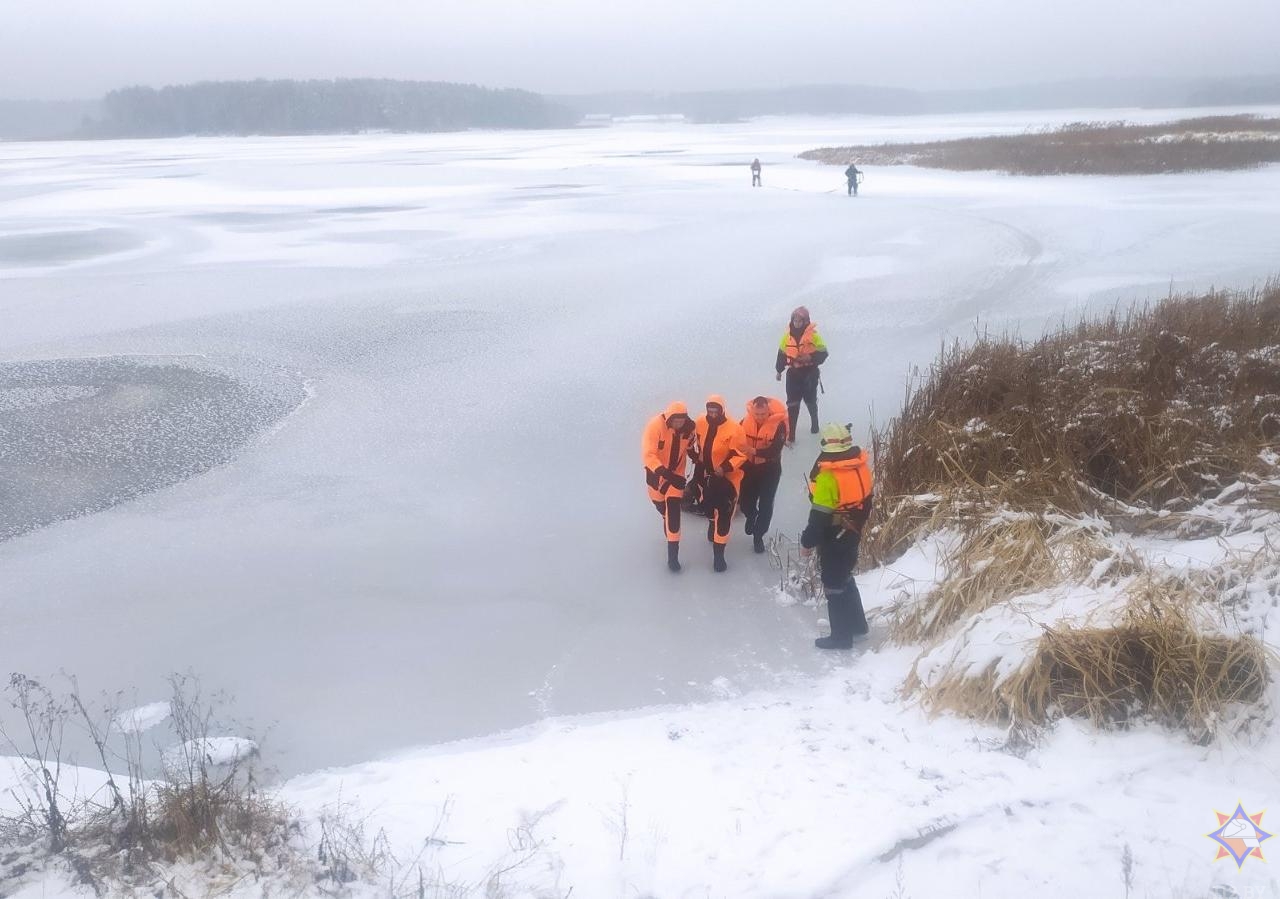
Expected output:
{"points": [[1036, 465], [1161, 660], [1142, 413]]}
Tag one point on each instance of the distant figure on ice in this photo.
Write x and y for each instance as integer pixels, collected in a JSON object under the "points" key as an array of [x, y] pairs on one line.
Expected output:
{"points": [[720, 454], [765, 428], [665, 448], [853, 175], [800, 353], [755, 172], [840, 491]]}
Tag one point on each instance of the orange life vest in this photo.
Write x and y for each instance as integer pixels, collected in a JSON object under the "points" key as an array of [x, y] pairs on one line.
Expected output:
{"points": [[761, 435], [854, 482], [800, 351]]}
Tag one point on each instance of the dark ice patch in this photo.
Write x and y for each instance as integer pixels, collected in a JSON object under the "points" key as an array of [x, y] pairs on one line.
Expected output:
{"points": [[78, 436], [365, 210], [59, 247]]}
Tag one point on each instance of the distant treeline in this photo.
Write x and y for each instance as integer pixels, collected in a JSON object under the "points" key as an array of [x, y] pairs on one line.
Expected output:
{"points": [[838, 99], [310, 107], [283, 107]]}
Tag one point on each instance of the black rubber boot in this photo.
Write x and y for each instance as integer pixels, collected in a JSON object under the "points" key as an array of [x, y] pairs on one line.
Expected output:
{"points": [[857, 617], [673, 555], [718, 562], [758, 542], [838, 614]]}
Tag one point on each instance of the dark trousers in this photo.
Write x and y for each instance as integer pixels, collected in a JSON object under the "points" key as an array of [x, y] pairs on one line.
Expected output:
{"points": [[719, 499], [755, 179], [853, 188], [802, 385], [837, 557], [759, 486]]}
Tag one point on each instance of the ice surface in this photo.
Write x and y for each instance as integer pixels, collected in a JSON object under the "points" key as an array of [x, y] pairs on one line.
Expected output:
{"points": [[450, 533]]}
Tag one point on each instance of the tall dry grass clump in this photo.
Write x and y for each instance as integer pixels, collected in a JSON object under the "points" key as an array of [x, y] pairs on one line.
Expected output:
{"points": [[1146, 411], [1029, 461], [1157, 661]]}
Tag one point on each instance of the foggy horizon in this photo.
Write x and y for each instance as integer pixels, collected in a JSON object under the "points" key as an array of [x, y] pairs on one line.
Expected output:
{"points": [[64, 52]]}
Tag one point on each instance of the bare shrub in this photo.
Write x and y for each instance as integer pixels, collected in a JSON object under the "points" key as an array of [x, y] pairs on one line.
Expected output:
{"points": [[203, 804], [1087, 148]]}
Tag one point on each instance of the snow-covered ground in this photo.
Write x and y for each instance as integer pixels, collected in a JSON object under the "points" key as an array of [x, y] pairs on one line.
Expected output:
{"points": [[437, 529]]}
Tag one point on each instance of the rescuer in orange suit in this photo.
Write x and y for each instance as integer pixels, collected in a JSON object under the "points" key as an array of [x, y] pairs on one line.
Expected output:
{"points": [[765, 429], [665, 448], [720, 453]]}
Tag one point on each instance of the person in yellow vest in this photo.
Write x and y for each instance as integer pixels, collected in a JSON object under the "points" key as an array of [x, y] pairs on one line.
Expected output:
{"points": [[841, 493], [720, 453], [665, 450], [765, 427], [800, 352]]}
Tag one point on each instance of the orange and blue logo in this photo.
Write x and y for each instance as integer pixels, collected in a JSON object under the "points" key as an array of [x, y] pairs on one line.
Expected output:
{"points": [[1239, 835]]}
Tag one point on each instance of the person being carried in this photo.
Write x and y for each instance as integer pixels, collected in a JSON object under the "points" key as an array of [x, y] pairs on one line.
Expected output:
{"points": [[800, 352], [765, 428], [755, 172], [665, 448], [853, 175], [719, 456], [841, 494]]}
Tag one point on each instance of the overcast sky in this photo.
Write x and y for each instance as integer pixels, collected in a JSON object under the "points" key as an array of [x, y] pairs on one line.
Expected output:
{"points": [[54, 49]]}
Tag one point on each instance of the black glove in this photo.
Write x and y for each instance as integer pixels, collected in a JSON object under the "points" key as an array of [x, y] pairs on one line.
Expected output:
{"points": [[725, 468], [676, 480]]}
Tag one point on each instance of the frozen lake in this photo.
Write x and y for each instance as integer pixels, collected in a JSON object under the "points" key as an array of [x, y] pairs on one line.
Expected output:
{"points": [[349, 426]]}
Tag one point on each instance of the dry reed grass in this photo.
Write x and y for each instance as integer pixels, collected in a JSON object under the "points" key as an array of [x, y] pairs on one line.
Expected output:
{"points": [[1002, 558], [1034, 455], [1087, 148], [1157, 663], [1153, 409]]}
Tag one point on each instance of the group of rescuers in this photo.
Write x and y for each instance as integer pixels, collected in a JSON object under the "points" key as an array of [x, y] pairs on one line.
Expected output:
{"points": [[740, 463]]}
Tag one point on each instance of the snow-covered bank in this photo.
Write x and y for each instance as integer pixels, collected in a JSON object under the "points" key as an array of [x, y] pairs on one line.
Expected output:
{"points": [[832, 787]]}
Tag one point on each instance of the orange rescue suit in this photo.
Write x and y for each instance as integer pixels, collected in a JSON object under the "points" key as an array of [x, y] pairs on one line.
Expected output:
{"points": [[665, 452], [727, 454]]}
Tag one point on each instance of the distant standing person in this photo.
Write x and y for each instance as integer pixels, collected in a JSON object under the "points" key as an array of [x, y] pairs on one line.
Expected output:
{"points": [[852, 174], [800, 353], [840, 491], [755, 172], [765, 427]]}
